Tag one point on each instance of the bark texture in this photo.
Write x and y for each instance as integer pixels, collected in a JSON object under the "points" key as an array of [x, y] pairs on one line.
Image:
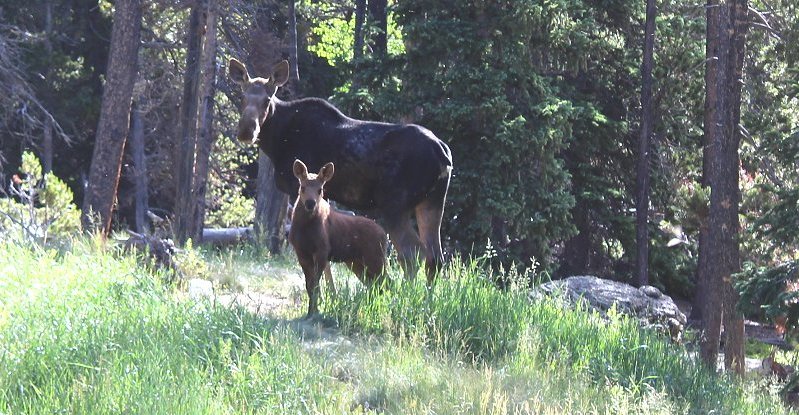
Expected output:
{"points": [[112, 128], [642, 175]]}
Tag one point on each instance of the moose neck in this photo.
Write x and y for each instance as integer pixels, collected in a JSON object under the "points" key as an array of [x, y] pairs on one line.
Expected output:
{"points": [[276, 120], [306, 116]]}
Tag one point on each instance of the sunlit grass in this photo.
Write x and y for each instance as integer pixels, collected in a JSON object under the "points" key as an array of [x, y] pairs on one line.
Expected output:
{"points": [[88, 330], [466, 314]]}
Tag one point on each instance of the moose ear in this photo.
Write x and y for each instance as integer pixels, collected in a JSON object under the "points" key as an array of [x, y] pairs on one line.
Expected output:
{"points": [[280, 73], [300, 171], [238, 73], [326, 172]]}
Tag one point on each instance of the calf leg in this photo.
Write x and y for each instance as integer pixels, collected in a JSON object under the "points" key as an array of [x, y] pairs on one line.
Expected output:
{"points": [[406, 242], [329, 280], [313, 271]]}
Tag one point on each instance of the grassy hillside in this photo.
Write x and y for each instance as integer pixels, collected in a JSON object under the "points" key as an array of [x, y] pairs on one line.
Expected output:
{"points": [[89, 331]]}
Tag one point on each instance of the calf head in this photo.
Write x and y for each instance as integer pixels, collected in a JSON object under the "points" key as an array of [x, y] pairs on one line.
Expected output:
{"points": [[311, 186], [258, 94]]}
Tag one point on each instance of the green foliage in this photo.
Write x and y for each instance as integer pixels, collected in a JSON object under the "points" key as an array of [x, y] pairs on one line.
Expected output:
{"points": [[333, 33], [467, 76], [335, 40], [226, 203], [771, 292], [190, 263], [232, 209], [38, 207]]}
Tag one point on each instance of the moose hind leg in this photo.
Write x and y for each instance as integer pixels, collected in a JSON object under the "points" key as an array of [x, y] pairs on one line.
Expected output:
{"points": [[406, 242], [429, 214]]}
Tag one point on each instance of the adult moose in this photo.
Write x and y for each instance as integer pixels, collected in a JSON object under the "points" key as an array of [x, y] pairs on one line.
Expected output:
{"points": [[387, 171]]}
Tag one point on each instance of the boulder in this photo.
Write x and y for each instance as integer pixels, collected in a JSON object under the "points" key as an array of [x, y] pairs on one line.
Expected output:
{"points": [[651, 307]]}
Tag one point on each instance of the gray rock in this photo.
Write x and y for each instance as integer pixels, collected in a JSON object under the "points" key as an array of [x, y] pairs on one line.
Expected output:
{"points": [[651, 307]]}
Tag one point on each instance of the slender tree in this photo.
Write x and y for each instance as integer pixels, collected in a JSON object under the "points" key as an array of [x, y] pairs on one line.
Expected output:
{"points": [[715, 98], [732, 318], [112, 128], [642, 182], [702, 267], [360, 16], [271, 204], [205, 137], [378, 12], [47, 136], [137, 152], [294, 73], [185, 206]]}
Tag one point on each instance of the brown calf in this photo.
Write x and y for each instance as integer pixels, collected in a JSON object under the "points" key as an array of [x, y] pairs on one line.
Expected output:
{"points": [[319, 235]]}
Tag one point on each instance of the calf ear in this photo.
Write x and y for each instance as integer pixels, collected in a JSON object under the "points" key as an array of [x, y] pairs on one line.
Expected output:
{"points": [[326, 172], [280, 73], [300, 171], [238, 73]]}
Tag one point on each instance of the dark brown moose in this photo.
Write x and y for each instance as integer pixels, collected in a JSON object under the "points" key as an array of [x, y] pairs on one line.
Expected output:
{"points": [[320, 234], [387, 171]]}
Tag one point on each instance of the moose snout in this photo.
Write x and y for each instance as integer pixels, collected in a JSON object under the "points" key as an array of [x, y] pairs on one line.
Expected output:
{"points": [[310, 204], [248, 130]]}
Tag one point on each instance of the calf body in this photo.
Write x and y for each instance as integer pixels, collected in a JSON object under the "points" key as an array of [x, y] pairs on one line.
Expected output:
{"points": [[388, 171], [320, 235]]}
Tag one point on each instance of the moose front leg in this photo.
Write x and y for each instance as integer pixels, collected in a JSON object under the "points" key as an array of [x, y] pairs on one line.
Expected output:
{"points": [[313, 272]]}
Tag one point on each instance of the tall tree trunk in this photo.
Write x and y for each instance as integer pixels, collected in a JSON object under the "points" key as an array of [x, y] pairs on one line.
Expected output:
{"points": [[205, 139], [360, 15], [378, 11], [271, 203], [294, 73], [642, 182], [47, 146], [721, 200], [270, 207], [733, 319], [139, 168], [702, 267], [185, 203], [714, 98], [112, 128], [47, 136], [726, 37]]}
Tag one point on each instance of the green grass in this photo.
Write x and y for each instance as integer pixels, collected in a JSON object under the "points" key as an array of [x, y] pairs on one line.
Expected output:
{"points": [[87, 330], [466, 315]]}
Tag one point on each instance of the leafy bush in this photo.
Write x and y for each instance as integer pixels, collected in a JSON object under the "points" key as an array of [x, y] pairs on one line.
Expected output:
{"points": [[771, 292], [38, 206]]}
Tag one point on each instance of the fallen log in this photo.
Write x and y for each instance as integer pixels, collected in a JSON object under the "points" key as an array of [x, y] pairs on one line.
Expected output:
{"points": [[227, 236]]}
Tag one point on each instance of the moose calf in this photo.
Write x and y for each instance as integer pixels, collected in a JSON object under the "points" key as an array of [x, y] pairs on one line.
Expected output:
{"points": [[320, 234]]}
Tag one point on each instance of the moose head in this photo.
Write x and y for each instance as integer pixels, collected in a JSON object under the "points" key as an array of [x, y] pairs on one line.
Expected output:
{"points": [[257, 98], [311, 192]]}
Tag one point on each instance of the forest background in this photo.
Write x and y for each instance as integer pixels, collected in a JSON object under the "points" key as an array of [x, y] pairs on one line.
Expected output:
{"points": [[540, 102]]}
